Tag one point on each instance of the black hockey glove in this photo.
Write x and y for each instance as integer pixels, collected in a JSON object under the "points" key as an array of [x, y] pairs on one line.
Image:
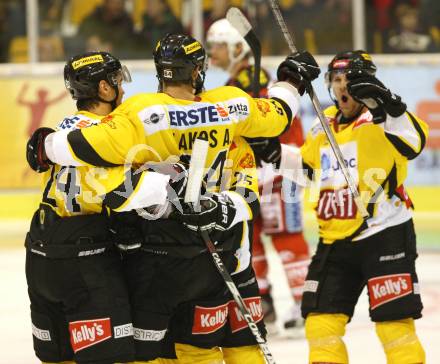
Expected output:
{"points": [[299, 69], [267, 150], [35, 153], [368, 90], [126, 231], [217, 213]]}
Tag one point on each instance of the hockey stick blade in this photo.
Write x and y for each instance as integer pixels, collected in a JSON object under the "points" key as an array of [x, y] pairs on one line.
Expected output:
{"points": [[196, 172], [237, 19]]}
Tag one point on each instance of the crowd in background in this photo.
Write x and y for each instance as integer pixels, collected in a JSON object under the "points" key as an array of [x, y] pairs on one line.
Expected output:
{"points": [[131, 28]]}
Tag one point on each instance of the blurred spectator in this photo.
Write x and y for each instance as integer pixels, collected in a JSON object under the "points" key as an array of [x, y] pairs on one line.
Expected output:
{"points": [[408, 37], [430, 16], [15, 16], [382, 23], [50, 13], [158, 21], [335, 30], [95, 43], [307, 20], [268, 32], [50, 48], [111, 24], [216, 12], [4, 36]]}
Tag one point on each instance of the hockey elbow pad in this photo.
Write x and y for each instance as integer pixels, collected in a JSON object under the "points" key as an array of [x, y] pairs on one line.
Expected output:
{"points": [[35, 153]]}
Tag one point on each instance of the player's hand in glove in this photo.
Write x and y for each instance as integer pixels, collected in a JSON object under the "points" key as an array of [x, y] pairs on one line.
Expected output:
{"points": [[267, 150], [35, 153], [299, 69], [368, 90], [217, 213]]}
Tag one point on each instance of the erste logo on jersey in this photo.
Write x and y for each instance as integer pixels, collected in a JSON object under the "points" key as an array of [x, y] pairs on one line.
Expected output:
{"points": [[388, 288], [236, 319], [331, 174], [198, 114], [86, 333], [209, 319]]}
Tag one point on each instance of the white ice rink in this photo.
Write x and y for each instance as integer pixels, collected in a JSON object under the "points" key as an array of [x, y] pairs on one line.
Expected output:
{"points": [[363, 346]]}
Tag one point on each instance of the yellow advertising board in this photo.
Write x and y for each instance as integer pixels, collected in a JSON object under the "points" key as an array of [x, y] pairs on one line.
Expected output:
{"points": [[27, 104]]}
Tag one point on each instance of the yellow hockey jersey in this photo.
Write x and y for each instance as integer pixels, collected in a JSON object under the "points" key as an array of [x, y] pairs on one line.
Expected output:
{"points": [[73, 191], [376, 155], [154, 127], [240, 183]]}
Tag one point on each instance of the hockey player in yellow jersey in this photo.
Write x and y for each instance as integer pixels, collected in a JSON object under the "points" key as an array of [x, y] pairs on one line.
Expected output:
{"points": [[229, 51], [165, 124], [69, 250], [69, 246], [377, 136]]}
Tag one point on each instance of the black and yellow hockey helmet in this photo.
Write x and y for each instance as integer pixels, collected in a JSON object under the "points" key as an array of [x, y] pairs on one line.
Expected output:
{"points": [[176, 56], [82, 74], [350, 60]]}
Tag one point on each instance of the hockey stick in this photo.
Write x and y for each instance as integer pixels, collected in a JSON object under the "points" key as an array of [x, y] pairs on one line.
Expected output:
{"points": [[239, 22], [317, 106], [195, 177]]}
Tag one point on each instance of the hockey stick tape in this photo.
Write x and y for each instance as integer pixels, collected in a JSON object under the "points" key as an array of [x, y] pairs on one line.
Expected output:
{"points": [[196, 170], [238, 21]]}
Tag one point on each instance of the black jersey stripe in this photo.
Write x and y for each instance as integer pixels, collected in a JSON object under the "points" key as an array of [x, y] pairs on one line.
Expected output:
{"points": [[84, 151], [309, 170], [117, 197], [288, 112], [251, 199], [404, 148]]}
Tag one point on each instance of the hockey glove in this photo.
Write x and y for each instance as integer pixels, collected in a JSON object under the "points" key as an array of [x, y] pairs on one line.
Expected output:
{"points": [[217, 213], [35, 153], [299, 69], [267, 150], [368, 90], [126, 231]]}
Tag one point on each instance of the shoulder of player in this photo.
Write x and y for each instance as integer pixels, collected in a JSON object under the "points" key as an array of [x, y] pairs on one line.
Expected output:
{"points": [[226, 92], [79, 120], [141, 100], [240, 148], [331, 111]]}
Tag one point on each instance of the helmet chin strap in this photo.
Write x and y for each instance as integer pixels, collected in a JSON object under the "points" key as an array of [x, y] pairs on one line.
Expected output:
{"points": [[198, 82]]}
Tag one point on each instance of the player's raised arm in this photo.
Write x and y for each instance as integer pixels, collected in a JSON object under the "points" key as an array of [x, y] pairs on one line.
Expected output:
{"points": [[406, 132]]}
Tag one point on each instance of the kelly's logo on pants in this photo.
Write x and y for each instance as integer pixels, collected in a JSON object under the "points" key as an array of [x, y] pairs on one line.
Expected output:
{"points": [[209, 319], [89, 332], [388, 288], [236, 319]]}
